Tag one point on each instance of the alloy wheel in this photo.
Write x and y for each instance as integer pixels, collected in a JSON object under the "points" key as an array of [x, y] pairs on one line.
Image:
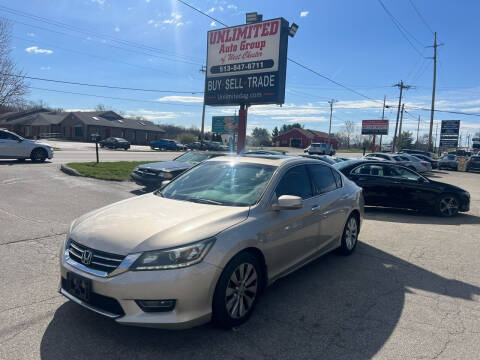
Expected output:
{"points": [[241, 290], [448, 206], [351, 233]]}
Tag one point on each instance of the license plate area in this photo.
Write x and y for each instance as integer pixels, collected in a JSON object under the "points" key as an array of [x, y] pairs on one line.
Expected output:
{"points": [[79, 287]]}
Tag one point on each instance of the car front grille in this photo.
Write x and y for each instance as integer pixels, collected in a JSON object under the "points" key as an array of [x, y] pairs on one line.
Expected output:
{"points": [[145, 172], [99, 260]]}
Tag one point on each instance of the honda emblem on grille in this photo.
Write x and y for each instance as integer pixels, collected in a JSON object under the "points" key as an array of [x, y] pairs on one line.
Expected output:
{"points": [[87, 257]]}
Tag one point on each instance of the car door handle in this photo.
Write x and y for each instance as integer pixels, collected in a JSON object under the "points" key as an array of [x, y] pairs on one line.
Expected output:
{"points": [[345, 196], [315, 207]]}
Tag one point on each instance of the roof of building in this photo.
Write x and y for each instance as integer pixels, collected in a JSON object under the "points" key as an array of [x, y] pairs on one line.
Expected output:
{"points": [[112, 119], [43, 117], [307, 132]]}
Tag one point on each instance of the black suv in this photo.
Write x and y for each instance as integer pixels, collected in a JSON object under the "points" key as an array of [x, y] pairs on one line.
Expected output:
{"points": [[115, 143]]}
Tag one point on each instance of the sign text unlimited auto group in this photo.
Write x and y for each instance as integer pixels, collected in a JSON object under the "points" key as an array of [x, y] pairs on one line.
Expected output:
{"points": [[246, 64]]}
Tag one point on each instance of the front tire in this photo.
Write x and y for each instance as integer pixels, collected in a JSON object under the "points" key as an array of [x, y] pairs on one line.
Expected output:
{"points": [[350, 235], [38, 155], [447, 205], [237, 291]]}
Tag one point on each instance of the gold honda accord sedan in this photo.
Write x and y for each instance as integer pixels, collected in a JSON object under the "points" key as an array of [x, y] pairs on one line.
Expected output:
{"points": [[205, 246]]}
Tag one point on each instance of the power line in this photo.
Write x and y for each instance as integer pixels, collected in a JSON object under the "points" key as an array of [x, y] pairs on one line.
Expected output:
{"points": [[400, 28], [421, 17], [103, 86], [179, 57], [114, 98], [201, 12]]}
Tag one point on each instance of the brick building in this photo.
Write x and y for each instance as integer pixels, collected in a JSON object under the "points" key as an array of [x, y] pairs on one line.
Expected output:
{"points": [[301, 138], [80, 125]]}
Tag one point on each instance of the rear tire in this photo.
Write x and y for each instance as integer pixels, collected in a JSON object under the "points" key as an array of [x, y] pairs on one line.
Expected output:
{"points": [[237, 291], [38, 155], [350, 235]]}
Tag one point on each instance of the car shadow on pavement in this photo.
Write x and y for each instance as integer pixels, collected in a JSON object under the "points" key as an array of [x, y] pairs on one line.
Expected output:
{"points": [[26, 162], [416, 217], [334, 308], [142, 191]]}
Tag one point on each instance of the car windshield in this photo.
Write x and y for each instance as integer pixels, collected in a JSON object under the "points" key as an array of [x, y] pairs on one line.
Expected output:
{"points": [[450, 157], [193, 157], [221, 183]]}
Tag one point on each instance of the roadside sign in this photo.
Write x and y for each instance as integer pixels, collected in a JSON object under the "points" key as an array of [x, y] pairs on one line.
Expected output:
{"points": [[374, 127], [224, 124], [247, 64], [449, 143], [449, 133]]}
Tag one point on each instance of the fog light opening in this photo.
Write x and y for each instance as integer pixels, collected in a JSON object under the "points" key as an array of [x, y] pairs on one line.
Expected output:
{"points": [[156, 305]]}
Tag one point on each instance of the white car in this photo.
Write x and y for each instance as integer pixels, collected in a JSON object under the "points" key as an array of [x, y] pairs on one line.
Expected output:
{"points": [[13, 146], [320, 149]]}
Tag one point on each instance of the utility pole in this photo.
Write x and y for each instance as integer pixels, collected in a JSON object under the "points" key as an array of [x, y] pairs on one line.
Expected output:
{"points": [[436, 134], [331, 102], [401, 86], [418, 129], [202, 131], [400, 128], [432, 111], [383, 117]]}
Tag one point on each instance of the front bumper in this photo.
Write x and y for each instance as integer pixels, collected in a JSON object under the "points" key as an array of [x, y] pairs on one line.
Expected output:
{"points": [[50, 153], [191, 287], [147, 180]]}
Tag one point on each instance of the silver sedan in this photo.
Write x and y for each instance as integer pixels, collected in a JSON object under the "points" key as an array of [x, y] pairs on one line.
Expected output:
{"points": [[205, 246]]}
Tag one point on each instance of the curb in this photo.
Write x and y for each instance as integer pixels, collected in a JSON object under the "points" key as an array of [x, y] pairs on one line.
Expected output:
{"points": [[69, 171]]}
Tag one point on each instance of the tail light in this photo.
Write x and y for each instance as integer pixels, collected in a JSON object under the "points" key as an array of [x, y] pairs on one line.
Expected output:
{"points": [[424, 164]]}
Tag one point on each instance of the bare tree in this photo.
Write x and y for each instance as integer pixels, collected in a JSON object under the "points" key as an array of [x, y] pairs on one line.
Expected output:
{"points": [[349, 128], [13, 86]]}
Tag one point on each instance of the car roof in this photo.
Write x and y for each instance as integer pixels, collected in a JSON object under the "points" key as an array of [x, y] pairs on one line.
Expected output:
{"points": [[274, 160]]}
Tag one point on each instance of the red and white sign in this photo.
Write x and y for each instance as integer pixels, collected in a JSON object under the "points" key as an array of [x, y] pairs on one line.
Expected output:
{"points": [[252, 48], [374, 127]]}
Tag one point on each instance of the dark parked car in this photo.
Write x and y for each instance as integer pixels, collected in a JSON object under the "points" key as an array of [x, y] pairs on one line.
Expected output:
{"points": [[167, 144], [390, 185], [208, 145], [417, 152], [152, 174], [448, 162], [264, 152], [115, 143], [473, 163], [325, 158]]}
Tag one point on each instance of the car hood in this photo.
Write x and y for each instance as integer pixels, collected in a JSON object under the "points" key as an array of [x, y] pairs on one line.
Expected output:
{"points": [[150, 222], [37, 142], [167, 166], [447, 187]]}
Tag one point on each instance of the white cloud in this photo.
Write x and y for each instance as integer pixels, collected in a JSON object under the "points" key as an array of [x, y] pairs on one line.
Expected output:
{"points": [[209, 11], [220, 8], [99, 2], [147, 1], [150, 21], [31, 34], [37, 50], [185, 99], [117, 29], [213, 23], [174, 19], [303, 13], [153, 115], [286, 110], [232, 6], [45, 68], [301, 119]]}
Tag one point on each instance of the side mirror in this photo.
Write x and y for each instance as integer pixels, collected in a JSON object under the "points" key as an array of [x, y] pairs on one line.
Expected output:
{"points": [[288, 202], [165, 183], [19, 140], [422, 180]]}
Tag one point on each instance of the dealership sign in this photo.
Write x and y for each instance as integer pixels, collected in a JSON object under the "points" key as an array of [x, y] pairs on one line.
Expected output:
{"points": [[224, 124], [246, 64], [449, 132], [374, 127]]}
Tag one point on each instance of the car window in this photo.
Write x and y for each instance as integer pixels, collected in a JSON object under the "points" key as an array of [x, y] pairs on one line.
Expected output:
{"points": [[322, 179], [369, 169], [400, 172], [7, 136], [295, 182], [338, 178], [3, 135]]}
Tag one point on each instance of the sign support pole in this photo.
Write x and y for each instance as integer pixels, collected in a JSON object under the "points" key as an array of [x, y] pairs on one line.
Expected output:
{"points": [[242, 128], [373, 143]]}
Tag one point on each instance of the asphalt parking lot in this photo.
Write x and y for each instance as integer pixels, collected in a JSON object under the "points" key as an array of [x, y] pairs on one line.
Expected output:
{"points": [[411, 290]]}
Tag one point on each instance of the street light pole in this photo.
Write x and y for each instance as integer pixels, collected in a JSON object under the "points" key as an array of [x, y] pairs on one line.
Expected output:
{"points": [[202, 131]]}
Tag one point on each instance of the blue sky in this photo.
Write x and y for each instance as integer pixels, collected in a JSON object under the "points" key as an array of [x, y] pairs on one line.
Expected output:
{"points": [[351, 41]]}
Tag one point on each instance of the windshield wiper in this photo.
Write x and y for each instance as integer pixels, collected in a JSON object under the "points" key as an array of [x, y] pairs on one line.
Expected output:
{"points": [[204, 201]]}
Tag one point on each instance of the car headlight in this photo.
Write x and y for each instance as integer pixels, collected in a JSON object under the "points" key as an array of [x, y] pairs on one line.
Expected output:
{"points": [[165, 175], [173, 258]]}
